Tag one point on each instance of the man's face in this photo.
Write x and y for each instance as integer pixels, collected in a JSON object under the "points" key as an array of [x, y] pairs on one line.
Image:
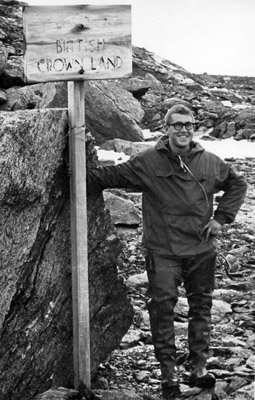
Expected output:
{"points": [[180, 138]]}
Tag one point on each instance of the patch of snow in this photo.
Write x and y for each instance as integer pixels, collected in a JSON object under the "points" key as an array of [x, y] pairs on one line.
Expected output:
{"points": [[226, 103], [147, 134], [227, 148], [188, 81], [111, 155], [242, 106]]}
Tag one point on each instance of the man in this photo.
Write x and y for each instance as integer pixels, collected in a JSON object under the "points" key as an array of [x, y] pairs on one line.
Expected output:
{"points": [[178, 179]]}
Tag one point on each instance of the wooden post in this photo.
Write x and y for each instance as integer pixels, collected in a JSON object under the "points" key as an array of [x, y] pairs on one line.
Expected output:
{"points": [[80, 283]]}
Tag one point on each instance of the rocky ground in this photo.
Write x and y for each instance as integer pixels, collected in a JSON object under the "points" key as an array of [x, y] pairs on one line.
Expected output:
{"points": [[133, 367]]}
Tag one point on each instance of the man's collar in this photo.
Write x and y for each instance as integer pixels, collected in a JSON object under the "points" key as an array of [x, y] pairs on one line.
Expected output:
{"points": [[163, 144]]}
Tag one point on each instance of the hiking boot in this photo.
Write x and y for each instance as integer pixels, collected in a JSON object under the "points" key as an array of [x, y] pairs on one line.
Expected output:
{"points": [[170, 391], [205, 382]]}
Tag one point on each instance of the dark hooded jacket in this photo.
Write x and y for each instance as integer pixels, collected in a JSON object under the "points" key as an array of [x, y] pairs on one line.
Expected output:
{"points": [[177, 195]]}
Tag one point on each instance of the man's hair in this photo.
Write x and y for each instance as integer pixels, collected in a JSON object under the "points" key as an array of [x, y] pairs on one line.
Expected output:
{"points": [[177, 109]]}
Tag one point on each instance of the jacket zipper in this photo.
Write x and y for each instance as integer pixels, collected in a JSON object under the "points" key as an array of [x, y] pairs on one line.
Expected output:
{"points": [[186, 169]]}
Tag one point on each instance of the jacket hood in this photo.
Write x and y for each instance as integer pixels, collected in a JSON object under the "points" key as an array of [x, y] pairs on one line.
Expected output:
{"points": [[161, 144]]}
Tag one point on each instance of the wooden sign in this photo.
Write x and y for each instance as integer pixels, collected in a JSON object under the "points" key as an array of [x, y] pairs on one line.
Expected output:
{"points": [[80, 42]]}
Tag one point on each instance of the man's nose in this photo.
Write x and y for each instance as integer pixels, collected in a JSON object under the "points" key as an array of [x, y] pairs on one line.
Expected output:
{"points": [[184, 128]]}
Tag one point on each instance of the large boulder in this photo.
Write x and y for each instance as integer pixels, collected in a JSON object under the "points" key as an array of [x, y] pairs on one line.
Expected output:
{"points": [[35, 271], [111, 112], [23, 98]]}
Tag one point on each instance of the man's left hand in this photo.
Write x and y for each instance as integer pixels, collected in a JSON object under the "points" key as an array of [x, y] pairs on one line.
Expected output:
{"points": [[212, 228]]}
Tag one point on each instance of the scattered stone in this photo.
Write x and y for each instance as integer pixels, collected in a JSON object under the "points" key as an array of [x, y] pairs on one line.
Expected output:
{"points": [[230, 341], [154, 82], [231, 130], [3, 97], [58, 394], [138, 281], [120, 394], [245, 393], [236, 383], [130, 339], [122, 211], [142, 375], [251, 362]]}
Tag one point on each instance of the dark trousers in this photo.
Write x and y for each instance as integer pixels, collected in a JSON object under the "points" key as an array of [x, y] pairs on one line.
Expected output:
{"points": [[165, 275]]}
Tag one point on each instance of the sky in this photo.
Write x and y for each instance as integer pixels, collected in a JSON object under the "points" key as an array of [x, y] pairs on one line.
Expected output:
{"points": [[212, 36]]}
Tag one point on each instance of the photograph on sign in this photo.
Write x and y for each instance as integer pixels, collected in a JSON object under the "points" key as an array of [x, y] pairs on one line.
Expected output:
{"points": [[80, 42]]}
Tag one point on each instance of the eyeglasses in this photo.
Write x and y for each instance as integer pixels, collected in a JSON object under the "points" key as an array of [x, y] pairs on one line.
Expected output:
{"points": [[179, 125]]}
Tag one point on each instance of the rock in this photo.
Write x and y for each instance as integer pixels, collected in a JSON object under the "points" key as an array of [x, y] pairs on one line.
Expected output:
{"points": [[240, 351], [58, 394], [123, 112], [141, 376], [3, 97], [3, 57], [125, 146], [226, 295], [239, 251], [122, 211], [181, 328], [219, 130], [221, 373], [36, 296], [243, 134], [166, 104], [220, 389], [148, 135], [231, 341], [240, 135], [226, 103], [238, 286], [11, 25], [250, 363], [251, 339], [219, 309], [207, 137], [137, 86], [102, 383], [122, 109], [181, 308], [118, 394], [245, 393], [236, 383], [231, 130], [232, 363], [154, 82], [157, 117], [27, 97], [138, 281], [13, 74], [145, 321], [215, 362], [130, 339]]}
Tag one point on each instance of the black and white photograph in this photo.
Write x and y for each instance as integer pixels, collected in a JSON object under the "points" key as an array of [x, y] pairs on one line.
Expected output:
{"points": [[127, 200]]}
